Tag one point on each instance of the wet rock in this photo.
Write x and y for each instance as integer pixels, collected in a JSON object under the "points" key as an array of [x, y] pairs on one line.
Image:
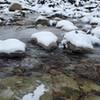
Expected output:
{"points": [[98, 69], [87, 70], [15, 6], [6, 94], [22, 85], [74, 49], [65, 87], [17, 54], [59, 15], [42, 20]]}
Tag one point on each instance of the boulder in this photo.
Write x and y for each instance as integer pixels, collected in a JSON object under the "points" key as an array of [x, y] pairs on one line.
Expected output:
{"points": [[12, 48], [79, 41], [15, 6], [45, 39], [74, 49], [66, 25], [42, 20]]}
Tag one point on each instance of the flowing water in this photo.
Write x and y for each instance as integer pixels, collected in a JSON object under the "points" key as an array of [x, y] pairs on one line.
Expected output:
{"points": [[68, 76]]}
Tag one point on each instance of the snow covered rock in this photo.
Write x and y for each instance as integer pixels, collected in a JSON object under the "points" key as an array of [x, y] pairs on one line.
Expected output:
{"points": [[52, 22], [12, 47], [15, 6], [42, 20], [66, 25], [95, 21], [45, 39], [79, 41], [85, 19], [96, 31]]}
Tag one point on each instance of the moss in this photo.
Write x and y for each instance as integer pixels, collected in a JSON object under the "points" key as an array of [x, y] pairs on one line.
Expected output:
{"points": [[90, 87], [46, 96], [94, 97], [21, 85], [71, 94], [65, 81], [65, 86]]}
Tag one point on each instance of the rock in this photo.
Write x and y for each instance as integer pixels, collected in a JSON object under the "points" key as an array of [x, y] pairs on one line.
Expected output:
{"points": [[79, 41], [98, 69], [16, 54], [45, 39], [92, 97], [65, 87], [89, 86], [66, 25], [23, 85], [12, 48], [87, 70], [42, 20], [54, 15], [6, 94], [74, 49], [15, 6]]}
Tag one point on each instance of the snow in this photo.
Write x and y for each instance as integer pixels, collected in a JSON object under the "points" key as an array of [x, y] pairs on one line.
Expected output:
{"points": [[41, 18], [45, 37], [95, 20], [80, 39], [11, 46], [52, 22], [96, 31], [66, 25], [66, 9], [63, 8], [36, 94], [77, 2], [85, 19]]}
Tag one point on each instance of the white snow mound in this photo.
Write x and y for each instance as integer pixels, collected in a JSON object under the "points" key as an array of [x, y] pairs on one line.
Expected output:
{"points": [[80, 39], [11, 46], [96, 31], [45, 37], [66, 25]]}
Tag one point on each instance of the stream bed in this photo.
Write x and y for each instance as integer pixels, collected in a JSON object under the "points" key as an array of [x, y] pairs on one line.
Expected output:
{"points": [[66, 76]]}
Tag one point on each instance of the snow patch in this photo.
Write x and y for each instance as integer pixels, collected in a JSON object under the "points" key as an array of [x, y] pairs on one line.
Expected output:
{"points": [[36, 94]]}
